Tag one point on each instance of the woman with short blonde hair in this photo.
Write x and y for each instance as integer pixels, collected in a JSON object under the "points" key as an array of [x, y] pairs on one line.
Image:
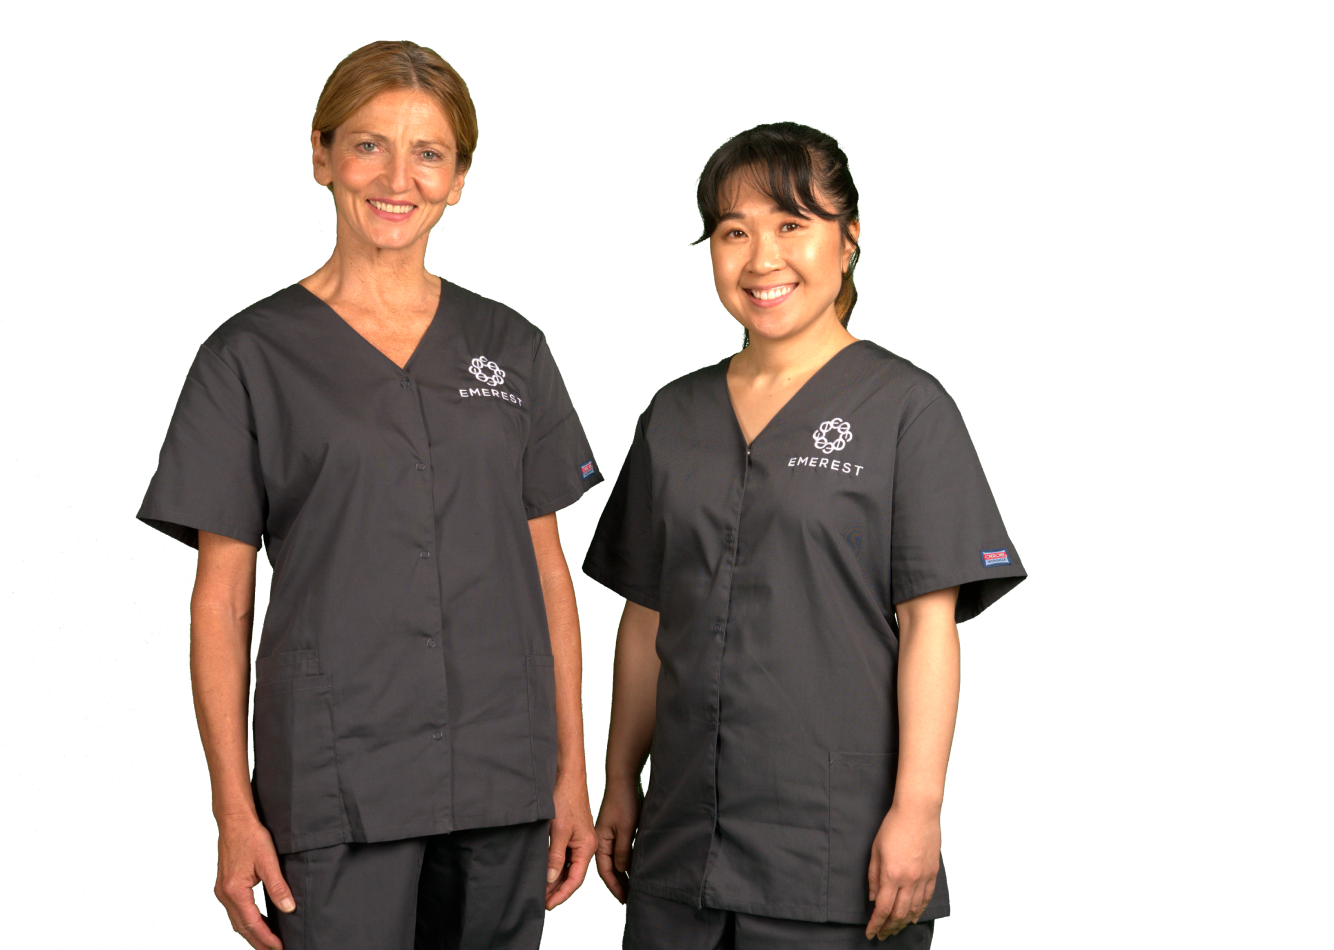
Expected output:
{"points": [[400, 446]]}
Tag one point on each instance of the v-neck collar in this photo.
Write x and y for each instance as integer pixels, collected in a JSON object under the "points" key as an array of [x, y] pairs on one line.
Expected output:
{"points": [[324, 307], [736, 421]]}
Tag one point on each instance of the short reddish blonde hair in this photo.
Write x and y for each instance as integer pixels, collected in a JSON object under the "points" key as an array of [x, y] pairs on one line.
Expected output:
{"points": [[384, 65]]}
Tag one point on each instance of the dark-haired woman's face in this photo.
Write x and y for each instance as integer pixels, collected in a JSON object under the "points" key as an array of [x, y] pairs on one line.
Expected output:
{"points": [[777, 273], [393, 168]]}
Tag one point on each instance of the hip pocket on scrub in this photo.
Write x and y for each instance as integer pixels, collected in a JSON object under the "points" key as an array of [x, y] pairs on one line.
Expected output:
{"points": [[296, 773], [861, 789]]}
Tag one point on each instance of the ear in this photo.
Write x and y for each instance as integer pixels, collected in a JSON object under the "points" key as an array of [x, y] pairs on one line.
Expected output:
{"points": [[855, 229], [319, 159], [456, 192]]}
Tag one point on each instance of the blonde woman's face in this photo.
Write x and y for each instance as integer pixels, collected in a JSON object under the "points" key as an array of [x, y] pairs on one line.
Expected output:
{"points": [[393, 168], [776, 273]]}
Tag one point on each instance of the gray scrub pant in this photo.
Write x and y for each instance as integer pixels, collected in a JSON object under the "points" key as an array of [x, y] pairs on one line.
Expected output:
{"points": [[655, 923], [470, 890]]}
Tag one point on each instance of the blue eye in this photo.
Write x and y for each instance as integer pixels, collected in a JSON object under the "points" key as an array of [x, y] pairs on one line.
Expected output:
{"points": [[430, 156], [366, 146]]}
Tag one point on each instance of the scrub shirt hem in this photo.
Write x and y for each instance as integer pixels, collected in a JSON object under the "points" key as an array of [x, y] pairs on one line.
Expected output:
{"points": [[288, 844], [179, 524], [464, 823], [489, 820], [780, 910], [537, 511], [609, 580]]}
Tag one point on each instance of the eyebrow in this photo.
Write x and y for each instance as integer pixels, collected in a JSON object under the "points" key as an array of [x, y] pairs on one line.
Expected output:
{"points": [[737, 216], [376, 135]]}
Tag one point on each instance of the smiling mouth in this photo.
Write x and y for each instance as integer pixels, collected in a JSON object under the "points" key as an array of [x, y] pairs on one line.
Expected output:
{"points": [[772, 293], [390, 208]]}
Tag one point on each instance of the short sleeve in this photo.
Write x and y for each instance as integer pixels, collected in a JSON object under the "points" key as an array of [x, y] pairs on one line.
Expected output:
{"points": [[208, 476], [558, 465], [946, 528], [626, 553]]}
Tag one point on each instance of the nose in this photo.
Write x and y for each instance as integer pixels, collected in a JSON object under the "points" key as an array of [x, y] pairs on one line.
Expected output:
{"points": [[765, 255], [399, 172]]}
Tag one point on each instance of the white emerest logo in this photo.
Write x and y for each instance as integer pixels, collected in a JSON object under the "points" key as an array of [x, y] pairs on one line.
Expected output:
{"points": [[841, 432], [488, 372]]}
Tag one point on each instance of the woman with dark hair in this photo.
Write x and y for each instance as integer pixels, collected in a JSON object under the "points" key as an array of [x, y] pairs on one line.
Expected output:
{"points": [[399, 446], [797, 530]]}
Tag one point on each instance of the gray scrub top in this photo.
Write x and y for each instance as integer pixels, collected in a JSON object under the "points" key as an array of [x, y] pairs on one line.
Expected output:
{"points": [[775, 570], [404, 683]]}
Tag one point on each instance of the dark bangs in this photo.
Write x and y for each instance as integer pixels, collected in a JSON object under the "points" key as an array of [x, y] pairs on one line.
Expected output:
{"points": [[789, 163]]}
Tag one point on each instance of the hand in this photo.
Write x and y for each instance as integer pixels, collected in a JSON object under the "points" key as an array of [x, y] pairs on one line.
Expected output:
{"points": [[905, 860], [246, 856], [572, 839], [617, 820]]}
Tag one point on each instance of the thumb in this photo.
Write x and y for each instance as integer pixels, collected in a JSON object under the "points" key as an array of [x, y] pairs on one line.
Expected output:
{"points": [[274, 885], [555, 863]]}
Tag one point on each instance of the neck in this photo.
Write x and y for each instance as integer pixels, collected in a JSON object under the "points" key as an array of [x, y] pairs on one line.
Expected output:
{"points": [[794, 355], [365, 272]]}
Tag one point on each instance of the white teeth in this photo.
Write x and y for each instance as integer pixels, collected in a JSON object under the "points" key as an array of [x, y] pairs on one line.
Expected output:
{"points": [[771, 294], [392, 209]]}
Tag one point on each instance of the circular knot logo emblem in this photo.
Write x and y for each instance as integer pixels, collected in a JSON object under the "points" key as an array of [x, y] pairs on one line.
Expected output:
{"points": [[833, 436], [487, 371]]}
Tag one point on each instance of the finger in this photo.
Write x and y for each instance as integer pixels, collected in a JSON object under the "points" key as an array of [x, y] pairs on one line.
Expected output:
{"points": [[576, 870], [929, 891], [602, 874], [898, 914], [566, 885], [915, 906], [248, 923], [557, 891], [884, 903], [560, 839], [262, 938], [615, 883], [918, 903], [622, 852], [604, 848], [892, 924], [607, 871]]}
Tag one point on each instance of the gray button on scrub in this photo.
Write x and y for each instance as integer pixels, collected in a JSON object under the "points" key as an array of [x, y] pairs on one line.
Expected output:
{"points": [[776, 571], [405, 685]]}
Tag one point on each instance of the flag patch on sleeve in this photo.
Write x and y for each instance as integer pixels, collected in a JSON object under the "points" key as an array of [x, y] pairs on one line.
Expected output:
{"points": [[995, 558], [587, 469]]}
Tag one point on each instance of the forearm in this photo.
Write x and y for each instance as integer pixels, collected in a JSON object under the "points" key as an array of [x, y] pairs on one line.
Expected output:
{"points": [[219, 673], [928, 694], [567, 649], [634, 694]]}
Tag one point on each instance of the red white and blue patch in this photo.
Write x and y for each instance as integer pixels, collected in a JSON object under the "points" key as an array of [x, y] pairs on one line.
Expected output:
{"points": [[995, 558], [586, 469]]}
